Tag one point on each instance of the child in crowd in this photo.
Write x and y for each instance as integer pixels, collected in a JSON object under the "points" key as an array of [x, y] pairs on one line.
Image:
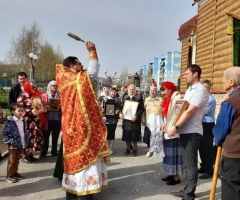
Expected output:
{"points": [[16, 137]]}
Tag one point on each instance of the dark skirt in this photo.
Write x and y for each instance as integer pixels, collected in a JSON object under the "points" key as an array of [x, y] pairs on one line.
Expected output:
{"points": [[147, 136], [58, 171], [131, 136], [172, 162], [111, 128]]}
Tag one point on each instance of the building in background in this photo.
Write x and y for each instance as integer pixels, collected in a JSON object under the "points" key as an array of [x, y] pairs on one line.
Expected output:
{"points": [[169, 67], [165, 68]]}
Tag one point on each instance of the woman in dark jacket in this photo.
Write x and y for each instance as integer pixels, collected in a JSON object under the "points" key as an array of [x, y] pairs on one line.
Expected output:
{"points": [[131, 121]]}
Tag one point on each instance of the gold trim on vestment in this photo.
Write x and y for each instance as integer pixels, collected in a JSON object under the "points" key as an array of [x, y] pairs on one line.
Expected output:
{"points": [[67, 85], [79, 90], [85, 193], [101, 153]]}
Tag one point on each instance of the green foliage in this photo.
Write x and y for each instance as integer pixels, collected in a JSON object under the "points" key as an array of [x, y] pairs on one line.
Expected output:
{"points": [[4, 98]]}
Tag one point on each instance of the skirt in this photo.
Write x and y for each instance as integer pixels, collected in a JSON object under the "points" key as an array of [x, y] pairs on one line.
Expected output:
{"points": [[88, 181], [131, 136], [111, 128], [172, 162], [147, 136]]}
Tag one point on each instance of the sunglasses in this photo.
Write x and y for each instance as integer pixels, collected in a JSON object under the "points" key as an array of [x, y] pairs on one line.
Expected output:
{"points": [[54, 85]]}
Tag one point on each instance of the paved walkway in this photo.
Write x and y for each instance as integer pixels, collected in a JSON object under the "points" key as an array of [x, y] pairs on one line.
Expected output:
{"points": [[129, 178]]}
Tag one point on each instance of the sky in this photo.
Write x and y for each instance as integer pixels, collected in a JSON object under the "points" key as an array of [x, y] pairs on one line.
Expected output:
{"points": [[127, 33]]}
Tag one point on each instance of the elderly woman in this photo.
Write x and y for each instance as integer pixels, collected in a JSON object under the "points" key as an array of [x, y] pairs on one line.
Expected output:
{"points": [[132, 127], [149, 102], [172, 162], [104, 93], [111, 121], [53, 119], [34, 121]]}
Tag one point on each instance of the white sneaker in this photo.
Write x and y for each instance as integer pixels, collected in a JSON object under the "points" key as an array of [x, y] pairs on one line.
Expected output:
{"points": [[149, 154], [111, 152]]}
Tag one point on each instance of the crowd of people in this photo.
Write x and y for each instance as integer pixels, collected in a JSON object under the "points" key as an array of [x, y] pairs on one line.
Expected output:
{"points": [[88, 124]]}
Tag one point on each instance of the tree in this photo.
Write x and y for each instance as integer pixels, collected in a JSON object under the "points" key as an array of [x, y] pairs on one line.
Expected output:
{"points": [[30, 41], [48, 59], [123, 76]]}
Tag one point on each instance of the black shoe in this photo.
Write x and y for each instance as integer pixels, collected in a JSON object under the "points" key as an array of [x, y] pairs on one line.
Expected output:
{"points": [[168, 178], [173, 182], [55, 154], [86, 197], [32, 158], [201, 170], [70, 196], [178, 194], [42, 156], [205, 176]]}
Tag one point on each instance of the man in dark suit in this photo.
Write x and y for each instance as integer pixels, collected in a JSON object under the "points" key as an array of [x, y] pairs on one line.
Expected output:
{"points": [[17, 89]]}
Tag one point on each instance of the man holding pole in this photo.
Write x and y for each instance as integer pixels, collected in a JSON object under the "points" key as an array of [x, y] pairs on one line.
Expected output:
{"points": [[227, 135], [84, 133]]}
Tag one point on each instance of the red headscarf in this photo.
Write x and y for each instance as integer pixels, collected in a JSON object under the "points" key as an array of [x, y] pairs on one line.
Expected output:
{"points": [[27, 89], [166, 101]]}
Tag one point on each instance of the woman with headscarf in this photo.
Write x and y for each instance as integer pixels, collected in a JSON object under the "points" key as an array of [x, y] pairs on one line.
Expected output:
{"points": [[172, 162], [34, 121], [149, 102], [104, 93], [53, 119], [132, 128]]}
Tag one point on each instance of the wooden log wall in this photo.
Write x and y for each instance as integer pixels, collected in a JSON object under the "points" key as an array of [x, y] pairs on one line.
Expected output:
{"points": [[214, 47], [183, 84]]}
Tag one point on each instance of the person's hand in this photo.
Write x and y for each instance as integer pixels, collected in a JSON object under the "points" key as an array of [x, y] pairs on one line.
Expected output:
{"points": [[45, 109], [121, 116], [171, 131], [116, 112], [144, 123], [163, 127], [34, 112], [48, 107], [90, 46], [59, 107], [134, 118]]}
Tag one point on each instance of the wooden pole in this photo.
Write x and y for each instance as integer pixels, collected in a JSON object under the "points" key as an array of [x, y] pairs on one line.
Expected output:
{"points": [[215, 174]]}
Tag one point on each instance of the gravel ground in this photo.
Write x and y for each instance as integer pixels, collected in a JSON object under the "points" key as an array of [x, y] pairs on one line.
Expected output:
{"points": [[130, 178]]}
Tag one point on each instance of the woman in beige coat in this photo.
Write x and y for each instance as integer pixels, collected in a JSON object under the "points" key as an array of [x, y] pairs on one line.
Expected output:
{"points": [[149, 102]]}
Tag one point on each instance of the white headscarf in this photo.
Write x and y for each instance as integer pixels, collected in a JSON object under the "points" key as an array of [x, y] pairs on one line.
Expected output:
{"points": [[152, 87], [49, 93]]}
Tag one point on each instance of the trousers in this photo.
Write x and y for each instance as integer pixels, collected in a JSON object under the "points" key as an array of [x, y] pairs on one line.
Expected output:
{"points": [[189, 145], [13, 161]]}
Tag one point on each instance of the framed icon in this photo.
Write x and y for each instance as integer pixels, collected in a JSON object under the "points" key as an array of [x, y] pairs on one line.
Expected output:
{"points": [[37, 104], [129, 109], [110, 108], [176, 112], [54, 104]]}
